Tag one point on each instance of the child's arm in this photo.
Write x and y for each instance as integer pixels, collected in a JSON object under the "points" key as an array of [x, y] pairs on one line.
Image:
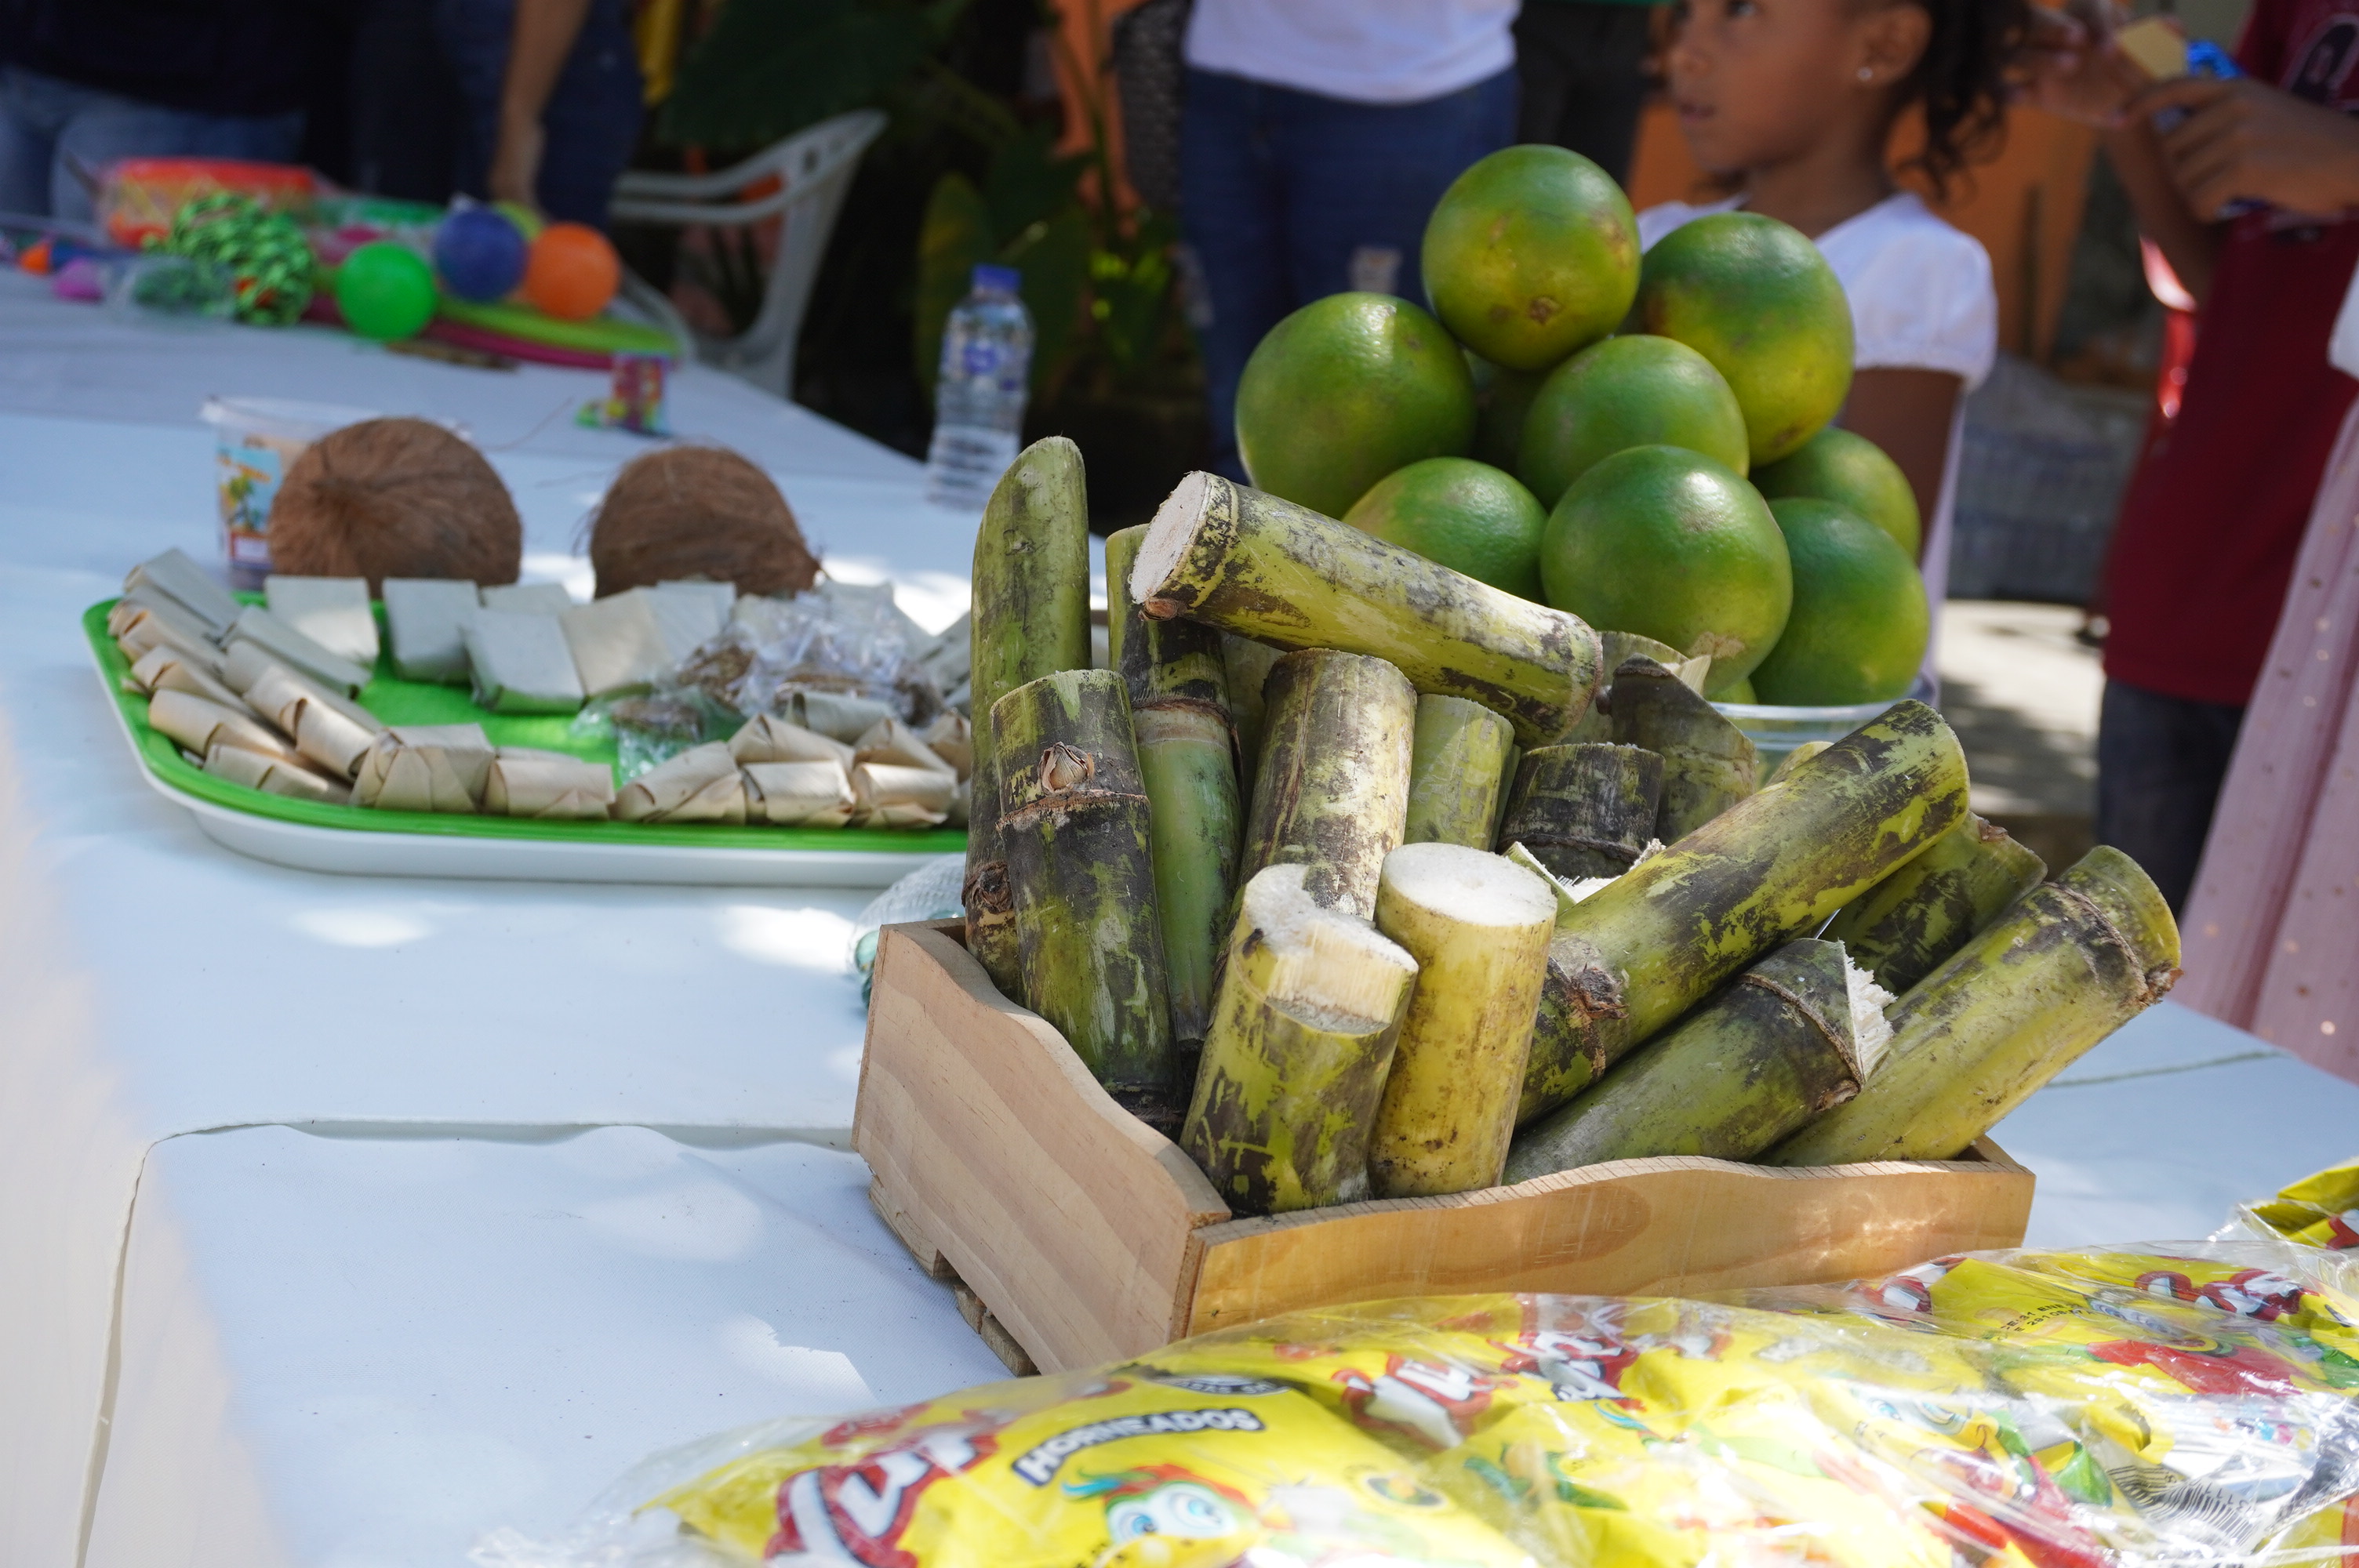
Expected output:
{"points": [[1907, 413], [2186, 242]]}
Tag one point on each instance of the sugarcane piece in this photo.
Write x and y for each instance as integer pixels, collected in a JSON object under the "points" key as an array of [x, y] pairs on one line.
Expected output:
{"points": [[1509, 767], [1563, 1060], [1250, 563], [1478, 927], [1332, 790], [1031, 617], [1655, 941], [1585, 810], [1074, 823], [1179, 689], [1248, 664], [1294, 1064], [1709, 764], [1780, 1045], [2074, 960], [1795, 759], [1905, 925], [1457, 756], [1597, 724]]}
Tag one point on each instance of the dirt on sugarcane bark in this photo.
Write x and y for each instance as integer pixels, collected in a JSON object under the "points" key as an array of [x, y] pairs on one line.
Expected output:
{"points": [[1585, 810], [1660, 938], [2067, 963], [1031, 619], [1905, 925], [1456, 760], [1332, 789], [1732, 1078], [1597, 724], [1179, 689], [1301, 1041], [1254, 565], [1709, 764], [1074, 823]]}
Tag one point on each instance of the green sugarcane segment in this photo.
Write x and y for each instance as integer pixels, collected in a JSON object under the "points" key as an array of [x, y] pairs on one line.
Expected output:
{"points": [[1566, 1055], [1905, 925], [1508, 769], [1332, 789], [1301, 1041], [1253, 564], [2070, 962], [1031, 619], [1709, 764], [1248, 664], [1456, 757], [1478, 927], [1179, 689], [1597, 724], [1074, 823], [1585, 810], [1732, 1078], [1666, 933], [1795, 759]]}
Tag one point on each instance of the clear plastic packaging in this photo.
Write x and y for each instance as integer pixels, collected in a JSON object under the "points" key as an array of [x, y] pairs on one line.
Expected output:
{"points": [[2184, 1406], [257, 440], [935, 891]]}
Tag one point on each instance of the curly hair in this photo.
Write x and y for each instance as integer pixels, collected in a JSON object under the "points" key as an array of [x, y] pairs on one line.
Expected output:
{"points": [[1960, 83]]}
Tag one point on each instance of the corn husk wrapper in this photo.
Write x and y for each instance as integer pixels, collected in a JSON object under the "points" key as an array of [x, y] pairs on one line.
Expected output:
{"points": [[886, 796], [798, 794], [167, 668], [617, 642], [528, 598], [273, 775], [246, 664], [547, 784], [951, 738], [323, 734], [895, 744], [765, 737], [334, 611], [440, 767], [702, 784], [831, 713], [197, 724], [288, 646], [426, 619], [176, 577]]}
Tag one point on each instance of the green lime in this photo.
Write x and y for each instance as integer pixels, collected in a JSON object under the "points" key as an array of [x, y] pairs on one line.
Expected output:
{"points": [[1859, 625], [1673, 546], [1502, 398], [1531, 254], [1853, 473], [1466, 515], [1639, 391]]}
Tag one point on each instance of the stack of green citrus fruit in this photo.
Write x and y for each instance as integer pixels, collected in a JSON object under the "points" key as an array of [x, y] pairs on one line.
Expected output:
{"points": [[1643, 441]]}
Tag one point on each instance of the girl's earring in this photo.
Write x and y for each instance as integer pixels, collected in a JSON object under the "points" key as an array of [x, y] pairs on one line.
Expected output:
{"points": [[1868, 73]]}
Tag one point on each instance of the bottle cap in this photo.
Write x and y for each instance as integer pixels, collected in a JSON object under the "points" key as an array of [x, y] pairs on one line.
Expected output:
{"points": [[1000, 279]]}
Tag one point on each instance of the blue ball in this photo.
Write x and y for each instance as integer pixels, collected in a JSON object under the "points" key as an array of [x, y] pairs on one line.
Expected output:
{"points": [[479, 253]]}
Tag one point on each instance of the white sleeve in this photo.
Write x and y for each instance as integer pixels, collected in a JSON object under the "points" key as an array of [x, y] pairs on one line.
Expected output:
{"points": [[1925, 302]]}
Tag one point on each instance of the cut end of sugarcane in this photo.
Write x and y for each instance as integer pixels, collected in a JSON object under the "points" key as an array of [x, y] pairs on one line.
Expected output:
{"points": [[1467, 887], [1168, 535], [1870, 1030], [1328, 969], [1561, 890]]}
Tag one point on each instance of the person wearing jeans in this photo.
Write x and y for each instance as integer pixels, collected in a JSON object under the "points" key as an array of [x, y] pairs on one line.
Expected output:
{"points": [[551, 95], [1318, 136]]}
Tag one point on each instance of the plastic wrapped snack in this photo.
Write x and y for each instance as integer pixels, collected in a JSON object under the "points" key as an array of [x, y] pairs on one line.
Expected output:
{"points": [[2025, 1410], [2321, 1210]]}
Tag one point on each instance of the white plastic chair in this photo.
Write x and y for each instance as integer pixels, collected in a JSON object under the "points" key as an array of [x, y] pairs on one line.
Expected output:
{"points": [[814, 170]]}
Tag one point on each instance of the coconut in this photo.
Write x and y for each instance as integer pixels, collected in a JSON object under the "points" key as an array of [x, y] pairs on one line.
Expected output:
{"points": [[698, 512], [394, 498]]}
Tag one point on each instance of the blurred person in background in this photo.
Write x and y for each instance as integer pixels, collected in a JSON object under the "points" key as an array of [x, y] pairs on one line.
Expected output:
{"points": [[85, 82], [1317, 137], [2211, 521], [552, 100], [1582, 68]]}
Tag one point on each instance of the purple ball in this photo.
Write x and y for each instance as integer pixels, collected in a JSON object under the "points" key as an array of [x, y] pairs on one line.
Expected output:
{"points": [[479, 253]]}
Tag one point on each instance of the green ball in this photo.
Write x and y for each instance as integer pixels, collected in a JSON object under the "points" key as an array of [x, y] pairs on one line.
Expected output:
{"points": [[385, 291], [1673, 546], [1853, 473], [1638, 391], [1860, 622], [1465, 516]]}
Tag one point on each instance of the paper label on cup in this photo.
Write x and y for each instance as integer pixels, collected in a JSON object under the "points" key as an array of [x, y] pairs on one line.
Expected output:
{"points": [[251, 467]]}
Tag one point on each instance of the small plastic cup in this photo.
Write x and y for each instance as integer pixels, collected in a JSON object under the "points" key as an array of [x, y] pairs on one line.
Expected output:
{"points": [[1778, 731], [258, 440]]}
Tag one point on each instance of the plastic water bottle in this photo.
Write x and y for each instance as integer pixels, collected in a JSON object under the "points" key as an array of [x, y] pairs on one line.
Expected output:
{"points": [[979, 399]]}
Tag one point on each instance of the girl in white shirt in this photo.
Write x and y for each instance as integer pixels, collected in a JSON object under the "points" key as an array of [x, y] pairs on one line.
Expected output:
{"points": [[1792, 103]]}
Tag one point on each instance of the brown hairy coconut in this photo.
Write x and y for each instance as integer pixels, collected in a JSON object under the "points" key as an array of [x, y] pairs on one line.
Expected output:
{"points": [[394, 498], [691, 511]]}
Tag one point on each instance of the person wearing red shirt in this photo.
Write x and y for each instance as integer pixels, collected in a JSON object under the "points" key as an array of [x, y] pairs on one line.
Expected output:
{"points": [[2209, 526]]}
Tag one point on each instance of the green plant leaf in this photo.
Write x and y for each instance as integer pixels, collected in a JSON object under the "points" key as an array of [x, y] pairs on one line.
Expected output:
{"points": [[1029, 182], [955, 235], [1054, 257], [770, 68]]}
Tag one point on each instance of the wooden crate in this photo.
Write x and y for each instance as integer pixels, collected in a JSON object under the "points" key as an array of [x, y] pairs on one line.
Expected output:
{"points": [[1083, 1236]]}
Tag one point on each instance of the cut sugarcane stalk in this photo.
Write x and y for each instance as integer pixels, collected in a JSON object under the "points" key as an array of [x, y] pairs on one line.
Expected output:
{"points": [[2069, 964], [1668, 933], [1905, 925], [1597, 724], [1709, 764], [1074, 823], [1795, 759], [1458, 756], [1478, 927], [1248, 664], [1781, 1044], [1301, 1039], [1332, 790], [1031, 619], [1179, 691], [1585, 810], [1564, 1058], [1250, 563]]}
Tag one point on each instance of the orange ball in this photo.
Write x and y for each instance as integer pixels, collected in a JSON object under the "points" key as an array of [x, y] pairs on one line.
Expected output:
{"points": [[573, 272]]}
